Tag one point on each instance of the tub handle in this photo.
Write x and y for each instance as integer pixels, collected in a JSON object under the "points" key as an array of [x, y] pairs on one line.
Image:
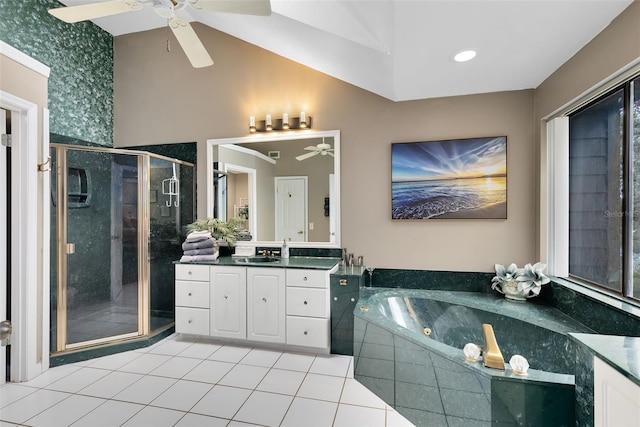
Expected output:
{"points": [[343, 282]]}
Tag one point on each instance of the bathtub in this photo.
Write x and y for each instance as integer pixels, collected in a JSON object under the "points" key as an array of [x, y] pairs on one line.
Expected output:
{"points": [[426, 377]]}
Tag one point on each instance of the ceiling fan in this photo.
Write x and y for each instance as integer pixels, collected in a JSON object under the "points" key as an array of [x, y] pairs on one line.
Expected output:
{"points": [[186, 36], [322, 148]]}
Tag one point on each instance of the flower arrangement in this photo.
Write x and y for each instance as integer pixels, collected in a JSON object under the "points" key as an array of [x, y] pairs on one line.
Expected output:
{"points": [[519, 283], [220, 230]]}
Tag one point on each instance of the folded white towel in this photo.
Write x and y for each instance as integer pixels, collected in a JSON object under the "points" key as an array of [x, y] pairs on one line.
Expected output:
{"points": [[197, 236], [201, 258]]}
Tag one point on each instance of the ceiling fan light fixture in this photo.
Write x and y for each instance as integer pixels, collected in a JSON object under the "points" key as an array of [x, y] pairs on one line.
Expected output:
{"points": [[163, 8], [465, 55]]}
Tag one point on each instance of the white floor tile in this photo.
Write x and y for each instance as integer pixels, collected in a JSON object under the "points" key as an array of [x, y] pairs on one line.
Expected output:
{"points": [[110, 385], [51, 376], [182, 395], [241, 424], [145, 390], [11, 392], [66, 412], [310, 413], [222, 402], [245, 376], [259, 357], [331, 365], [145, 363], [230, 353], [264, 408], [111, 413], [200, 350], [195, 420], [77, 380], [350, 371], [295, 362], [394, 419], [355, 393], [114, 361], [321, 387], [31, 405], [209, 371], [176, 367], [155, 417], [282, 381], [172, 347], [358, 416]]}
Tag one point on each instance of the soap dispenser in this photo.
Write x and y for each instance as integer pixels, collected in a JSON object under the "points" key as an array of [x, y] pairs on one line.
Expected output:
{"points": [[285, 249]]}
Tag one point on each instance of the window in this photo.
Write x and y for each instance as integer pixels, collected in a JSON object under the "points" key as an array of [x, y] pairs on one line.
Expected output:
{"points": [[604, 191]]}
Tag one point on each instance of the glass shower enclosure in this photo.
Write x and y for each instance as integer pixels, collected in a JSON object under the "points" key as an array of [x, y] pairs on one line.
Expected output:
{"points": [[118, 220]]}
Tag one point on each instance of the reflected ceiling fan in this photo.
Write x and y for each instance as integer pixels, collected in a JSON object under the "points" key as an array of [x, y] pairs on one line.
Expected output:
{"points": [[186, 36], [322, 148]]}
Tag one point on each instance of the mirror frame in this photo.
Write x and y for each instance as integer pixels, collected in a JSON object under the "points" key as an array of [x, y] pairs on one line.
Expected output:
{"points": [[283, 136]]}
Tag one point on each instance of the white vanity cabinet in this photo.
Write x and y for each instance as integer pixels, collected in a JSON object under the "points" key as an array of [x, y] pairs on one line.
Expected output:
{"points": [[616, 398], [266, 304], [261, 304], [192, 299], [228, 297], [308, 308]]}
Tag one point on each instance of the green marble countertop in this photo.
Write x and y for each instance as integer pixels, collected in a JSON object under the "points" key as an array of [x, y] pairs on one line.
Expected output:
{"points": [[302, 262], [622, 353]]}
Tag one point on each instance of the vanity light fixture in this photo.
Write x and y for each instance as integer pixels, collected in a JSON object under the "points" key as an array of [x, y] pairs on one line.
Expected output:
{"points": [[285, 123]]}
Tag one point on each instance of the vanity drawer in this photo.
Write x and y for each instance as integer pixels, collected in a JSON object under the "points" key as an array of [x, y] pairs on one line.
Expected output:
{"points": [[192, 272], [312, 302], [308, 278], [192, 294], [192, 320], [308, 332]]}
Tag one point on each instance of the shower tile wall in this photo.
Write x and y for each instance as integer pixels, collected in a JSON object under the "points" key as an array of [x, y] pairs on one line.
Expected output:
{"points": [[81, 60]]}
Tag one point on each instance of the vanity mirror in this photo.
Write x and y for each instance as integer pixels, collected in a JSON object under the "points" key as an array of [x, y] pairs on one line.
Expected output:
{"points": [[279, 185]]}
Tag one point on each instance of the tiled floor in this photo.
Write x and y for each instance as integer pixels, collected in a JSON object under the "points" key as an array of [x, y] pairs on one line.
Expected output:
{"points": [[184, 382]]}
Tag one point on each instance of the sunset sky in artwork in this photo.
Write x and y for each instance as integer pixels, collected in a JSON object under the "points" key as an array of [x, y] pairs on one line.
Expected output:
{"points": [[453, 159]]}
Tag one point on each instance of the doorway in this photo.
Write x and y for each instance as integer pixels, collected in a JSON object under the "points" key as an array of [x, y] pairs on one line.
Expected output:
{"points": [[291, 208]]}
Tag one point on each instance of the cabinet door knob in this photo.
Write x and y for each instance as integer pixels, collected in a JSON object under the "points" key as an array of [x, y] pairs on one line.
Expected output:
{"points": [[226, 297], [189, 321], [305, 303], [353, 300], [304, 278], [264, 299], [189, 272], [189, 293], [335, 298], [306, 333]]}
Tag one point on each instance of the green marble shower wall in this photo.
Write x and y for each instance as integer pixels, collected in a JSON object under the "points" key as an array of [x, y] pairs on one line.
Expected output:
{"points": [[81, 60]]}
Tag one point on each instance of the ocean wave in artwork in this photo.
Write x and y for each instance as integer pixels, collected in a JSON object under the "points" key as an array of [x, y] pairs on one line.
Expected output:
{"points": [[432, 199]]}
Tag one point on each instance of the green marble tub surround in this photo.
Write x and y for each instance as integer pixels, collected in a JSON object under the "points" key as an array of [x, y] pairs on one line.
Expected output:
{"points": [[430, 279], [345, 284], [431, 386]]}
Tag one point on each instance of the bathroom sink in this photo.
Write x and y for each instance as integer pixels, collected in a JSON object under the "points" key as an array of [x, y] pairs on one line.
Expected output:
{"points": [[257, 260]]}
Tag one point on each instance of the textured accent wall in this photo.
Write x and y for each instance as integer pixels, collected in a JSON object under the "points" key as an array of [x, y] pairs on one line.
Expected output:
{"points": [[81, 60]]}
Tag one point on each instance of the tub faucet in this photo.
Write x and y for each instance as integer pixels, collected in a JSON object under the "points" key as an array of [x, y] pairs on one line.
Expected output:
{"points": [[492, 355]]}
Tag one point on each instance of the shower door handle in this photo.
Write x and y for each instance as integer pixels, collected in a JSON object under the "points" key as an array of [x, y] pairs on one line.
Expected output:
{"points": [[71, 248]]}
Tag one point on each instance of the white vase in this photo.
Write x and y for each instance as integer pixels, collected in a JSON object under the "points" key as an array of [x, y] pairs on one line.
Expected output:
{"points": [[510, 291]]}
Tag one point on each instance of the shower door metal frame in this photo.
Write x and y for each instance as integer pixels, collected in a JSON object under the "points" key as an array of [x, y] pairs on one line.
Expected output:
{"points": [[64, 250]]}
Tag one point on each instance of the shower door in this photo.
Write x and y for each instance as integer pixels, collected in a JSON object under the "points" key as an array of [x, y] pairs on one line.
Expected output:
{"points": [[99, 296]]}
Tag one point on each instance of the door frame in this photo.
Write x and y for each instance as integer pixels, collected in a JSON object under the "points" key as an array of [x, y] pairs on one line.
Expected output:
{"points": [[252, 192], [29, 244]]}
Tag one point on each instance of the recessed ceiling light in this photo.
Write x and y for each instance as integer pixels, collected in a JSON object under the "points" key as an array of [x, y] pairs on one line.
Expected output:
{"points": [[465, 55]]}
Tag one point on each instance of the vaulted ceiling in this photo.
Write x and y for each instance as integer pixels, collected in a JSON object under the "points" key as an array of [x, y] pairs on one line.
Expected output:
{"points": [[404, 49]]}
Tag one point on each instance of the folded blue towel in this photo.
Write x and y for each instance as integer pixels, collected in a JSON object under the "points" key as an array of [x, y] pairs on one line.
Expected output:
{"points": [[190, 246], [205, 251]]}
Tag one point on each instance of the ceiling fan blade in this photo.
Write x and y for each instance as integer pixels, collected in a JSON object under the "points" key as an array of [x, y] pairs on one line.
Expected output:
{"points": [[83, 12], [245, 7], [311, 148], [190, 43], [306, 156], [330, 153]]}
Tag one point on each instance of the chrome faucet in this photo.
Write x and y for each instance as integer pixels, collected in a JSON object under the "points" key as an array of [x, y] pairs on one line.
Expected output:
{"points": [[492, 354]]}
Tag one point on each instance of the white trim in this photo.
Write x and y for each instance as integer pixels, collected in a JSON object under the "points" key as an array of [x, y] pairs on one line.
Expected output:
{"points": [[27, 354], [3, 242], [558, 196], [24, 59], [334, 241], [44, 191], [249, 151]]}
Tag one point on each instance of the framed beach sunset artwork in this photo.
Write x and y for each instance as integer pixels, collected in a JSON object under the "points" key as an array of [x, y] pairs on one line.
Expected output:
{"points": [[457, 178]]}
